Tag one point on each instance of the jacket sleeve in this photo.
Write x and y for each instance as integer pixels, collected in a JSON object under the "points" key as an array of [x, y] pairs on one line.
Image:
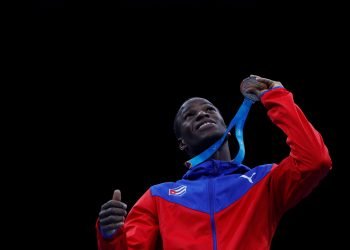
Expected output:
{"points": [[140, 231], [308, 161]]}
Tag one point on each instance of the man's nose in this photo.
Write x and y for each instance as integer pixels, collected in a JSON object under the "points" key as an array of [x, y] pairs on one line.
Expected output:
{"points": [[201, 114]]}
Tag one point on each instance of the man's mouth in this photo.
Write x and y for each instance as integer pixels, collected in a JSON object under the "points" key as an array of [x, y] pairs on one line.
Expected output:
{"points": [[205, 125]]}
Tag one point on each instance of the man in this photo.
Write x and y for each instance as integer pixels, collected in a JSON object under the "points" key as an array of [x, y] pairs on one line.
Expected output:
{"points": [[220, 204]]}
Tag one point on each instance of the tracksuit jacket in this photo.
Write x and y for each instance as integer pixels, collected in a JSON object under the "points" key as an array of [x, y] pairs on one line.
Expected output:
{"points": [[222, 206]]}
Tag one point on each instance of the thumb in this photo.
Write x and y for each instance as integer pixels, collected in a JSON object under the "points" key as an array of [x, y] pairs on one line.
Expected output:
{"points": [[117, 196]]}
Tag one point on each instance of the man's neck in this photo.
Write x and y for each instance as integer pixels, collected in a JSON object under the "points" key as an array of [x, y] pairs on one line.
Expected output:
{"points": [[223, 153]]}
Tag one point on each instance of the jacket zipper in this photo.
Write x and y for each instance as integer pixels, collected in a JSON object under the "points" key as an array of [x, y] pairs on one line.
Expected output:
{"points": [[211, 211]]}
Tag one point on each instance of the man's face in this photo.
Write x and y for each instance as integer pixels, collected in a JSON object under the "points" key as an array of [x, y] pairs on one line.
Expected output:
{"points": [[200, 125]]}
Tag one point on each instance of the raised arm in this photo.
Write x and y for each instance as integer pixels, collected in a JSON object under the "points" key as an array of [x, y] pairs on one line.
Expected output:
{"points": [[308, 161]]}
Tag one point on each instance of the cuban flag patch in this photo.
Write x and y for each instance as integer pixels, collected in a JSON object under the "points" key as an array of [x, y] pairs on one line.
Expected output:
{"points": [[178, 191]]}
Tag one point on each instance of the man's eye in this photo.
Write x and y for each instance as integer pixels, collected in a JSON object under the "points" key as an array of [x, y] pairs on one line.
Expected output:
{"points": [[210, 109], [188, 115]]}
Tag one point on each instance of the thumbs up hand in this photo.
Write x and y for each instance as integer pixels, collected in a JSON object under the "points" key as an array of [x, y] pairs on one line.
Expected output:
{"points": [[112, 214]]}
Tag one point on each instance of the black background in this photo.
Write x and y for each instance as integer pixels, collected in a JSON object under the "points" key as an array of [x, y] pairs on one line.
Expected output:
{"points": [[58, 7], [102, 117]]}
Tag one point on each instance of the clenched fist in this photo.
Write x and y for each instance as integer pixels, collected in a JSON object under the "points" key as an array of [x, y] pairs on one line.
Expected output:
{"points": [[254, 86]]}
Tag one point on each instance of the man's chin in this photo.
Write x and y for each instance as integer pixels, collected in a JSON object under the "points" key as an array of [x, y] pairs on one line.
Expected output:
{"points": [[206, 142]]}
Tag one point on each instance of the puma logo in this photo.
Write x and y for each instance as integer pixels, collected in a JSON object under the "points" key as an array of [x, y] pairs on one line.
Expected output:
{"points": [[248, 178]]}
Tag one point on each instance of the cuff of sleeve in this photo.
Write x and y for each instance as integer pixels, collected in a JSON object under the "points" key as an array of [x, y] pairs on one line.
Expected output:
{"points": [[109, 235], [269, 90]]}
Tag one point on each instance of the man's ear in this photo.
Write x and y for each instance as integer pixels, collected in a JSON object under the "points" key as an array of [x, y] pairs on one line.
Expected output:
{"points": [[182, 144]]}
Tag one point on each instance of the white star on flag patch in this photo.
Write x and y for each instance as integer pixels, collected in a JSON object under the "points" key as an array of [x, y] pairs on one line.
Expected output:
{"points": [[178, 191]]}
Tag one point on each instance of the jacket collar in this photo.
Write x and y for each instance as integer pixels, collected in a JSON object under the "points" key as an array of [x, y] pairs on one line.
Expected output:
{"points": [[212, 168]]}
